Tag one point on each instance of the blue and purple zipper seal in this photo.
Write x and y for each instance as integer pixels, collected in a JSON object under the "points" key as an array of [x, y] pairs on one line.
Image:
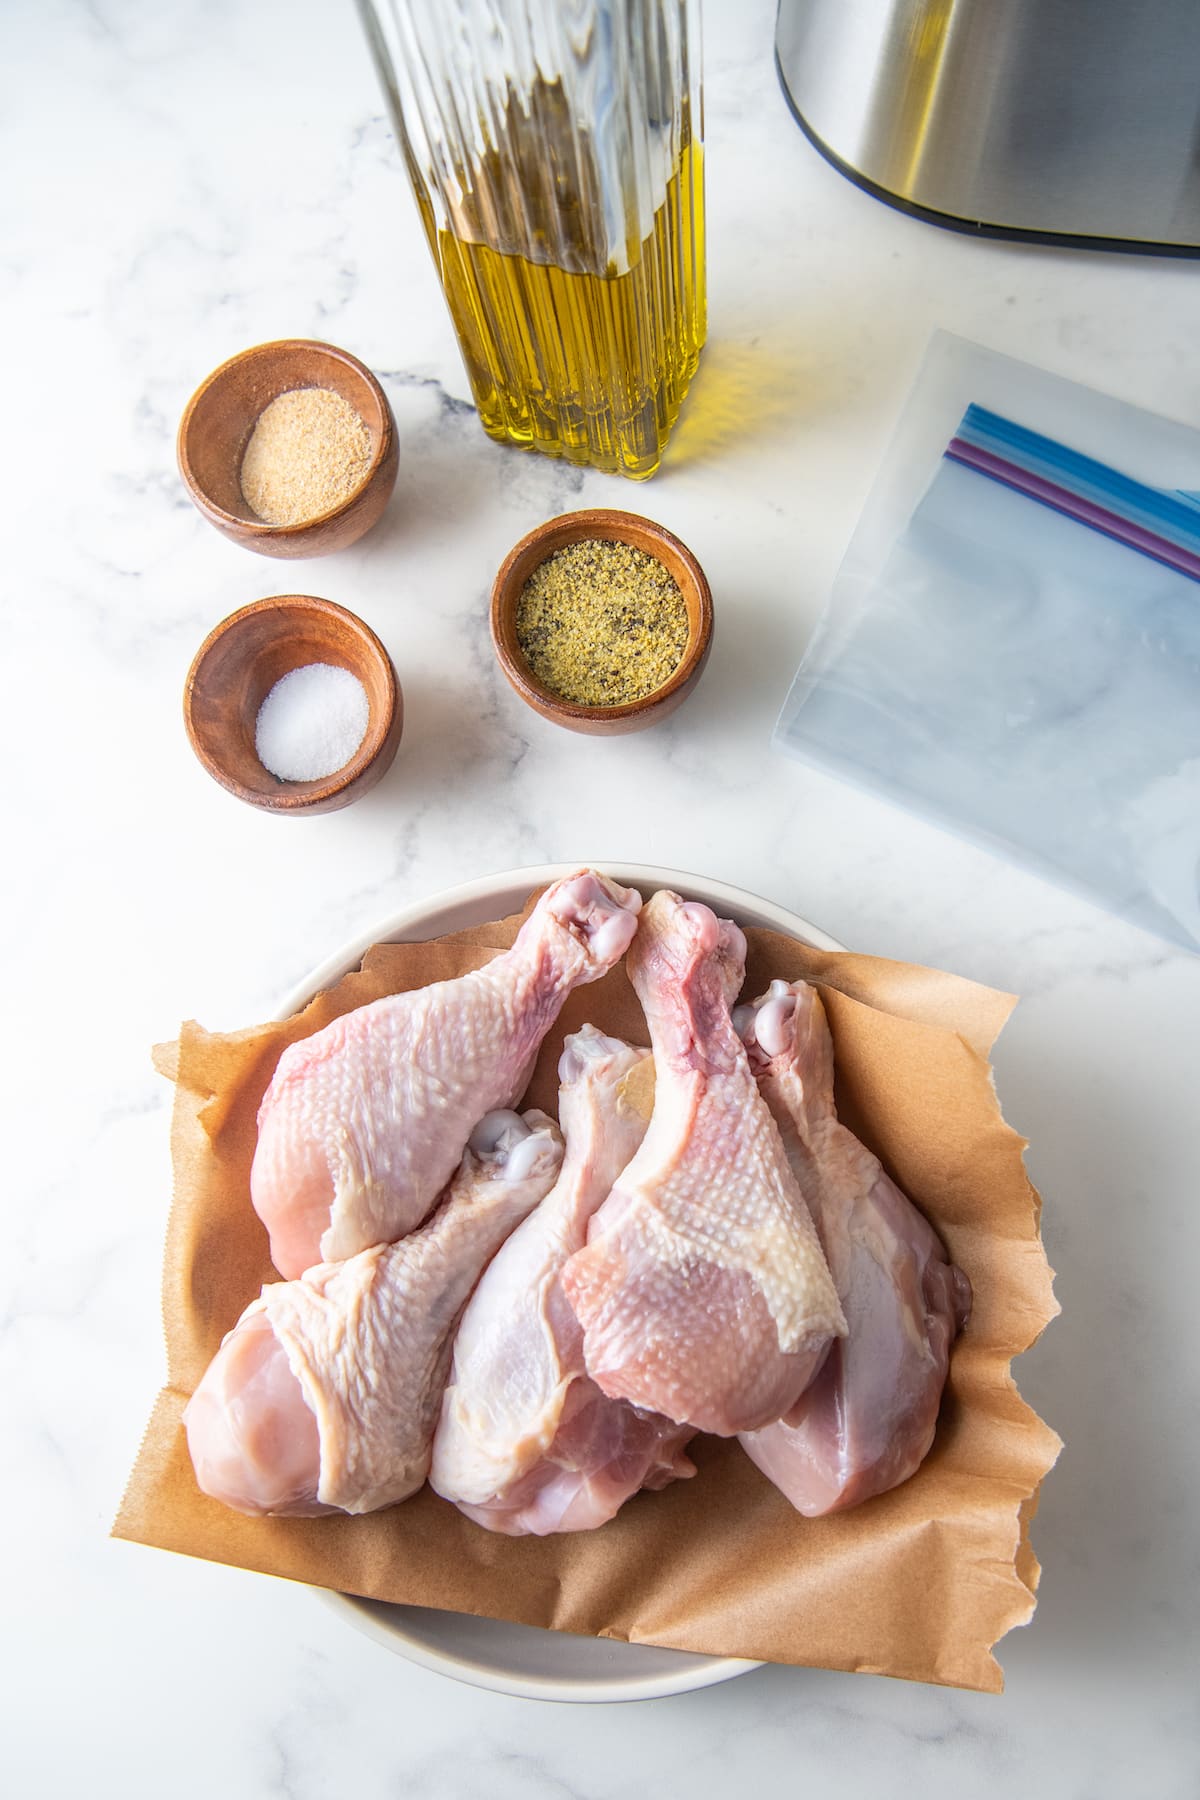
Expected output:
{"points": [[1155, 522]]}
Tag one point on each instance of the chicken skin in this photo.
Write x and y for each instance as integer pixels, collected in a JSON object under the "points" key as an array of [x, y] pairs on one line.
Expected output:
{"points": [[702, 1290], [364, 1122], [867, 1421], [325, 1395], [527, 1442]]}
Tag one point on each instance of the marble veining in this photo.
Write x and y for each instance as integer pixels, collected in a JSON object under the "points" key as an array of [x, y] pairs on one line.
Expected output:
{"points": [[188, 180]]}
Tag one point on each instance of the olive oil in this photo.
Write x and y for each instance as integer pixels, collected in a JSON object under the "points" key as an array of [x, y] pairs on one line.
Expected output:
{"points": [[591, 367]]}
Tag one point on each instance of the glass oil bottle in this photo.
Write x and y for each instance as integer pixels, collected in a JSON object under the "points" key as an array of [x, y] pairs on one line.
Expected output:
{"points": [[555, 148]]}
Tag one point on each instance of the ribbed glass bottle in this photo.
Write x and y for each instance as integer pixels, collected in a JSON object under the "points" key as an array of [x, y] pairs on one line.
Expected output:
{"points": [[555, 148]]}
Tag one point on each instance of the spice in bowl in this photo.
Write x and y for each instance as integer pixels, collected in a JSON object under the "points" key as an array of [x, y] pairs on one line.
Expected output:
{"points": [[308, 453], [601, 623], [311, 723]]}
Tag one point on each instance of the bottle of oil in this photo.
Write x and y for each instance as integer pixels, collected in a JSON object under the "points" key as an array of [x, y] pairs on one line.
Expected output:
{"points": [[555, 150]]}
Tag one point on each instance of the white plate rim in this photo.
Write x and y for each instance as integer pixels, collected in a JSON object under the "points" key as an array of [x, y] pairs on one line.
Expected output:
{"points": [[410, 923]]}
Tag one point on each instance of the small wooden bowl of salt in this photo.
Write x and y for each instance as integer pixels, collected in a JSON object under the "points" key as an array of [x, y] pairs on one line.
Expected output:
{"points": [[289, 448], [293, 705]]}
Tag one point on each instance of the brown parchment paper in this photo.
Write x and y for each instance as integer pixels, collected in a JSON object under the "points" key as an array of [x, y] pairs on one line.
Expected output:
{"points": [[918, 1583]]}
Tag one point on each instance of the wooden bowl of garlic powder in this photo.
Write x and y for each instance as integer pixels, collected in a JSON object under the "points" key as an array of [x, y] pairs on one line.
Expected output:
{"points": [[289, 448]]}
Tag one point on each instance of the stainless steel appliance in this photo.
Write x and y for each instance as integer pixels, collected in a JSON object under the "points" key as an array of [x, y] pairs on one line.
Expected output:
{"points": [[1069, 121]]}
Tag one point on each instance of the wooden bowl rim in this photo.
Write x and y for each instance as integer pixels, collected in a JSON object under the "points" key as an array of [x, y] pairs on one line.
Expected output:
{"points": [[300, 796], [573, 527], [260, 528]]}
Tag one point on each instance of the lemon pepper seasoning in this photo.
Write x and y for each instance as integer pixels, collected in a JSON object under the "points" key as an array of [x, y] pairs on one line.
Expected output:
{"points": [[601, 623]]}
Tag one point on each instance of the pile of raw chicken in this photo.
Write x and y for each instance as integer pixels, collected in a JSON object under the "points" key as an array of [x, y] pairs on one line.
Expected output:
{"points": [[537, 1317]]}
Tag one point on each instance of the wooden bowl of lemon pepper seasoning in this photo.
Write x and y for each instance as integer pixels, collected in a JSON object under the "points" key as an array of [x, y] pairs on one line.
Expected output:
{"points": [[289, 448], [602, 621]]}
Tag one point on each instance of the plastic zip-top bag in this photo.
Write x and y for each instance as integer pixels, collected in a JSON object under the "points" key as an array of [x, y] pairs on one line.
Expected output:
{"points": [[1012, 644]]}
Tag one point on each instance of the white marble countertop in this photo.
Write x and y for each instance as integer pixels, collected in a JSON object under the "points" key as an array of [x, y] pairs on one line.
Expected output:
{"points": [[184, 181]]}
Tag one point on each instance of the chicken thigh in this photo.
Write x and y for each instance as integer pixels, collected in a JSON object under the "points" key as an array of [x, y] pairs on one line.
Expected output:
{"points": [[364, 1122], [527, 1442], [325, 1395], [702, 1289], [868, 1419]]}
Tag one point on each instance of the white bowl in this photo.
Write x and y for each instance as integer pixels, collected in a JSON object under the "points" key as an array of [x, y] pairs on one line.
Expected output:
{"points": [[491, 1653]]}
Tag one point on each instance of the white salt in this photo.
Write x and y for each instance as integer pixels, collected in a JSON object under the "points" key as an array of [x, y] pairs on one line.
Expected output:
{"points": [[311, 722]]}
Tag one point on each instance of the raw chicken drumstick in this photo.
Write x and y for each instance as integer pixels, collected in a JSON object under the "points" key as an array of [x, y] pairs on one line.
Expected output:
{"points": [[702, 1289], [527, 1442], [364, 1122], [867, 1421], [325, 1395]]}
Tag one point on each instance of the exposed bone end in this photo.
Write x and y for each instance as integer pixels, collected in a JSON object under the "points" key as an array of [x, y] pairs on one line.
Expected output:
{"points": [[602, 913], [517, 1147]]}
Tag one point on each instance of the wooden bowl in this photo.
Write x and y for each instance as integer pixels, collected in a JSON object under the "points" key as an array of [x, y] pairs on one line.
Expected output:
{"points": [[625, 528], [239, 663], [221, 415]]}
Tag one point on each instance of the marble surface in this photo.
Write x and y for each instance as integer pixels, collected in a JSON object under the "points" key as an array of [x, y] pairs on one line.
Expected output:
{"points": [[186, 180]]}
